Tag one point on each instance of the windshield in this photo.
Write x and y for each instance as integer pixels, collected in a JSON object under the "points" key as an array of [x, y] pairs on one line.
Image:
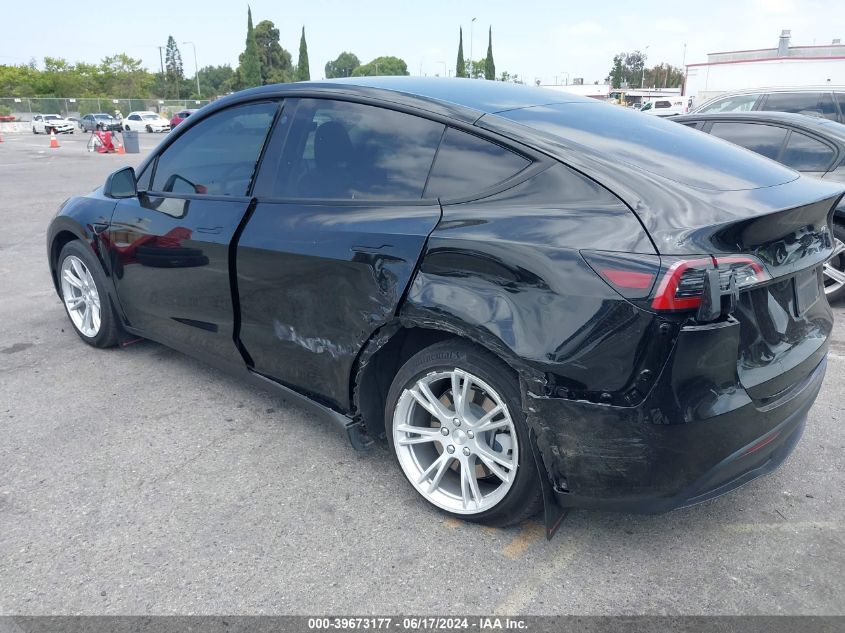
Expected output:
{"points": [[102, 116], [148, 117], [647, 106], [52, 117]]}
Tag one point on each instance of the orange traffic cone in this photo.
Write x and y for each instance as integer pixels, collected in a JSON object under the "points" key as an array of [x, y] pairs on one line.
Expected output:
{"points": [[54, 142], [120, 148]]}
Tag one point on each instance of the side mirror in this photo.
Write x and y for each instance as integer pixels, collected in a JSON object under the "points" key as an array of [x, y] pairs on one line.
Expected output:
{"points": [[121, 184]]}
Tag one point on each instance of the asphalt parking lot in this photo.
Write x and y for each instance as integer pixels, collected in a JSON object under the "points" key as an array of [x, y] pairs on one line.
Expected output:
{"points": [[139, 481]]}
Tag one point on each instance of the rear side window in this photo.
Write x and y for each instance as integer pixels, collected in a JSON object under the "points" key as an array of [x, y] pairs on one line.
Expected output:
{"points": [[804, 102], [840, 98], [662, 104], [350, 151], [762, 139], [218, 156], [804, 153], [739, 103], [467, 164]]}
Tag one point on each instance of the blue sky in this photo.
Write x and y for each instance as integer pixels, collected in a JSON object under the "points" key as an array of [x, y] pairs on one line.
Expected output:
{"points": [[537, 39]]}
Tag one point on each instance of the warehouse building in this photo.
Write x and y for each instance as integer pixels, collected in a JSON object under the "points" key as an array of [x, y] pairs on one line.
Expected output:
{"points": [[785, 65]]}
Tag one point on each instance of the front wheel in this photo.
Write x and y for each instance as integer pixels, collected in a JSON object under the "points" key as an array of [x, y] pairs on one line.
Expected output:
{"points": [[149, 130], [834, 269], [83, 288], [455, 425]]}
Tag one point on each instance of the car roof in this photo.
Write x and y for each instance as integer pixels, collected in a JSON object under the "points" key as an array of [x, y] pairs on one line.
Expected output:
{"points": [[820, 125], [768, 89], [471, 98]]}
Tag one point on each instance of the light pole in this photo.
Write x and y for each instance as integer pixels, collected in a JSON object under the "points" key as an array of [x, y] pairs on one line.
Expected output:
{"points": [[642, 81], [471, 58], [196, 68], [563, 72]]}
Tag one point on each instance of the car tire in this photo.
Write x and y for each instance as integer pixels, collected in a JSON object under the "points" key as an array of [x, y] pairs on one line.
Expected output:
{"points": [[126, 128], [460, 470], [149, 130], [82, 286], [834, 288], [34, 131]]}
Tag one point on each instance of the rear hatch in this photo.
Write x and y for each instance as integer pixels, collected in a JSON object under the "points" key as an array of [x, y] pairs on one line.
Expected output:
{"points": [[707, 205]]}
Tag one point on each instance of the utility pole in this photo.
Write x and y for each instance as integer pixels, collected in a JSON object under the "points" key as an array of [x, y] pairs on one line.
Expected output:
{"points": [[471, 58], [161, 59], [196, 68]]}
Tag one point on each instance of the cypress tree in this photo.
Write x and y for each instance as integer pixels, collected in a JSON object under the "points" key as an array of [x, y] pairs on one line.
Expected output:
{"points": [[303, 71], [461, 67], [250, 70], [489, 65]]}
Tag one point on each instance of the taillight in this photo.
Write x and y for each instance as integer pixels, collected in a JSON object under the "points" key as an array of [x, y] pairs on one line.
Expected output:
{"points": [[682, 285], [632, 275]]}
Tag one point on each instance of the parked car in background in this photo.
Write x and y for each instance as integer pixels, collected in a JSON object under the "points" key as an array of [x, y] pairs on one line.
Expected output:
{"points": [[100, 121], [811, 145], [145, 121], [180, 116], [46, 123], [827, 102], [664, 106], [530, 309]]}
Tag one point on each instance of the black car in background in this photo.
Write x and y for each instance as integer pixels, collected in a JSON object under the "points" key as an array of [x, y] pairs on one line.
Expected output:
{"points": [[100, 121], [536, 298], [810, 144]]}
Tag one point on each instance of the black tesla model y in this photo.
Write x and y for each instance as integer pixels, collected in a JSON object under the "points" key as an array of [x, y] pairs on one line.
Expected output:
{"points": [[538, 300]]}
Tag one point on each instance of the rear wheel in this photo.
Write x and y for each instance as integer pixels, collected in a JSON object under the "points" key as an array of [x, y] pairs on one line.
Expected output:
{"points": [[455, 424], [834, 269], [83, 288]]}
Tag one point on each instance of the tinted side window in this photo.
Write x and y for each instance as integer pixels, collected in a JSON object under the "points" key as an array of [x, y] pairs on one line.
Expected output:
{"points": [[840, 98], [763, 139], [793, 102], [350, 151], [803, 153], [218, 156], [827, 107], [662, 104], [740, 103], [467, 164]]}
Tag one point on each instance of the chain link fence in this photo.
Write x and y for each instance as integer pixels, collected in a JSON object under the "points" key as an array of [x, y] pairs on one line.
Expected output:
{"points": [[24, 108]]}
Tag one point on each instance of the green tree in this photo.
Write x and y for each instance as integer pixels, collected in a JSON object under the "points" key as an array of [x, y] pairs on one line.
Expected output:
{"points": [[173, 65], [249, 70], [476, 69], [343, 66], [460, 66], [217, 80], [385, 65], [275, 61], [489, 65], [664, 76], [617, 73], [303, 69]]}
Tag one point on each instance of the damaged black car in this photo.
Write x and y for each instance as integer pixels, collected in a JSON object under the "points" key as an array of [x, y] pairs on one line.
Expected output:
{"points": [[538, 301]]}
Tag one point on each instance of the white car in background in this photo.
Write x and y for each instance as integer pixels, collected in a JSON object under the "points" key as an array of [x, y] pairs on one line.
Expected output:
{"points": [[145, 121], [44, 123], [667, 106]]}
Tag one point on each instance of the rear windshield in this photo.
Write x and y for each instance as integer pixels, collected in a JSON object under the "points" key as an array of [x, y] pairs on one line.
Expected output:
{"points": [[662, 147]]}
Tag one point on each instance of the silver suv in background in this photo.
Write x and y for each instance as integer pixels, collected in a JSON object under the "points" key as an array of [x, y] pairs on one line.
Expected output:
{"points": [[823, 101]]}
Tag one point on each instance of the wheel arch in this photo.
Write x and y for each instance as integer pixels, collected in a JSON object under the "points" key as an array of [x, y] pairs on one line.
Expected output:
{"points": [[390, 347]]}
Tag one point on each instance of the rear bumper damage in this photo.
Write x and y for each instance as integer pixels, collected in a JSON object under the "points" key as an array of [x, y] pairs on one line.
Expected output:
{"points": [[698, 435]]}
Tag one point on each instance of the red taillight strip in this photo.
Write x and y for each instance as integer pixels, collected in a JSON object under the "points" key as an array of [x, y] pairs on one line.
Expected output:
{"points": [[628, 278], [665, 298]]}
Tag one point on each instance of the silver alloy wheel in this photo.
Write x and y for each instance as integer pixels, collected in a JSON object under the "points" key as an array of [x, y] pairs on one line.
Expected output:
{"points": [[834, 278], [80, 296], [456, 441]]}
